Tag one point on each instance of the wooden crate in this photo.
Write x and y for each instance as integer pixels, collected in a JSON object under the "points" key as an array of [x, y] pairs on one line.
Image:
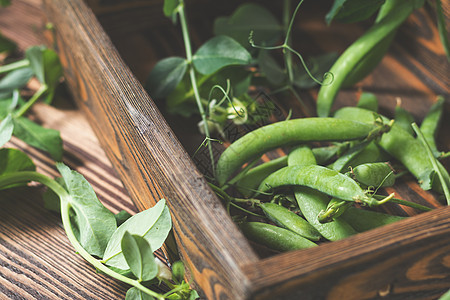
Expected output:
{"points": [[405, 260]]}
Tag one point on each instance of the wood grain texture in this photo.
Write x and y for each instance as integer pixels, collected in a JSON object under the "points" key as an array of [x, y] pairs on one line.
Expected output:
{"points": [[145, 152], [408, 259], [405, 260]]}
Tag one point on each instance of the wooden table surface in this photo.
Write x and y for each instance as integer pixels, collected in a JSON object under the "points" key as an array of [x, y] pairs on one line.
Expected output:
{"points": [[36, 259]]}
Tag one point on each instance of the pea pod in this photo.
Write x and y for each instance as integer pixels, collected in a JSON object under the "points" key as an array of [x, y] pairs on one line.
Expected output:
{"points": [[312, 203], [301, 156], [363, 220], [274, 237], [374, 174], [325, 180], [430, 124], [285, 133], [252, 179], [401, 145], [287, 219], [365, 53], [368, 101]]}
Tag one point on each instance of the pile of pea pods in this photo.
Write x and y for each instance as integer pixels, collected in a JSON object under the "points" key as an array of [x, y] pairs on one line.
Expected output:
{"points": [[325, 187]]}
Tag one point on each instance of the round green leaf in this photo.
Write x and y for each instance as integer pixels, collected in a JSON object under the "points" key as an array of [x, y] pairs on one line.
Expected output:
{"points": [[139, 256], [165, 76], [250, 17], [154, 224], [219, 52]]}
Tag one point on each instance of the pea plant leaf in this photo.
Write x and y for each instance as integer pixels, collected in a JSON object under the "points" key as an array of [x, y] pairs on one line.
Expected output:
{"points": [[136, 294], [4, 3], [37, 136], [219, 52], [95, 223], [139, 256], [122, 216], [250, 17], [46, 67], [15, 80], [348, 11], [6, 45], [13, 160], [6, 130], [270, 68], [170, 7], [165, 76], [153, 224]]}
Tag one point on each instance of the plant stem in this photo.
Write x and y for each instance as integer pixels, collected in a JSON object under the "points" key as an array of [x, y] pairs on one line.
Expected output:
{"points": [[32, 100], [65, 198], [14, 66], [188, 49]]}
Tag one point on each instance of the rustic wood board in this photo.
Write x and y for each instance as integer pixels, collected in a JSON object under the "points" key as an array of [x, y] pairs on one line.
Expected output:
{"points": [[330, 270], [36, 259]]}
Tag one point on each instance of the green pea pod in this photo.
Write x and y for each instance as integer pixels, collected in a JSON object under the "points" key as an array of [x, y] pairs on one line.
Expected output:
{"points": [[365, 53], [285, 133], [363, 220], [301, 156], [249, 182], [325, 180], [374, 174], [430, 124], [403, 118], [368, 101], [323, 155], [335, 208], [402, 146], [287, 219], [274, 237], [370, 154], [311, 203]]}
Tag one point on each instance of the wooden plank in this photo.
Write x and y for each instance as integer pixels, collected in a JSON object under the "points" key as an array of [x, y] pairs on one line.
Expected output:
{"points": [[406, 260], [145, 152]]}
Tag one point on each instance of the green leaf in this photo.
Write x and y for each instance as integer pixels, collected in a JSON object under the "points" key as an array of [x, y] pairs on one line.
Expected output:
{"points": [[270, 68], [8, 104], [348, 11], [6, 45], [165, 76], [37, 136], [219, 52], [46, 66], [16, 79], [96, 223], [13, 160], [153, 224], [136, 294], [139, 256], [122, 216], [6, 130], [246, 18], [52, 201], [170, 7], [4, 3]]}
